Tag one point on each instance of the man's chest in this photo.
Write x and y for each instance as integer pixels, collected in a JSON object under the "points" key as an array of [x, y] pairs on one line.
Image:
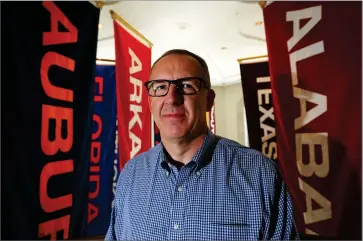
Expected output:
{"points": [[197, 207]]}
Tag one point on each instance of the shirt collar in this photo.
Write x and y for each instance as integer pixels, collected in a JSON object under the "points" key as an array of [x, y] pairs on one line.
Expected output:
{"points": [[201, 158]]}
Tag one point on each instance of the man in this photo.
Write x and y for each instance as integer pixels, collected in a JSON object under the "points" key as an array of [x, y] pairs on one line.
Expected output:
{"points": [[195, 185]]}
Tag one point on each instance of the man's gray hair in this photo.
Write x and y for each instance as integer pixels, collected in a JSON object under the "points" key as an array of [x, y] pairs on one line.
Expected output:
{"points": [[200, 60]]}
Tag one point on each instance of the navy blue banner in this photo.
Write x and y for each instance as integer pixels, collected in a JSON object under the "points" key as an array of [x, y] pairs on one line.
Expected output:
{"points": [[116, 164], [48, 51], [102, 151]]}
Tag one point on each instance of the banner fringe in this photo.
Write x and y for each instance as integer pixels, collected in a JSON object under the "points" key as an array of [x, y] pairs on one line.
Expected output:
{"points": [[115, 16]]}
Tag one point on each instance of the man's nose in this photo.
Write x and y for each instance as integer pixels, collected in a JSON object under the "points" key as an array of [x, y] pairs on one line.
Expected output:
{"points": [[174, 96]]}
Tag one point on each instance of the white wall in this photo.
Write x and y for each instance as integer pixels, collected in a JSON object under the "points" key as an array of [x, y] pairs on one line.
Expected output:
{"points": [[229, 112]]}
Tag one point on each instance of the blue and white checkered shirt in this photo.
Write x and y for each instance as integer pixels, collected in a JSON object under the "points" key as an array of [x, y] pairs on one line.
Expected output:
{"points": [[226, 192]]}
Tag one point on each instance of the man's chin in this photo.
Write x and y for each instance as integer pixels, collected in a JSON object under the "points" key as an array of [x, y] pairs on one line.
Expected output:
{"points": [[174, 134]]}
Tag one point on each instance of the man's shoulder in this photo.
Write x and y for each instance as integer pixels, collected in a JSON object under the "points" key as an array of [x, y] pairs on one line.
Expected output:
{"points": [[152, 153], [145, 158], [247, 162], [246, 156]]}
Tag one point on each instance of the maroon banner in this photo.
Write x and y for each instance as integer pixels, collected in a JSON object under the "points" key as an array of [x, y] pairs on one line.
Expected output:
{"points": [[211, 119], [315, 64], [257, 95], [133, 64]]}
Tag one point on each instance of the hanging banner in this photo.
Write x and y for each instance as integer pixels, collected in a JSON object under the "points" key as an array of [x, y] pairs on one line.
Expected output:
{"points": [[212, 119], [102, 151], [133, 64], [157, 137], [257, 94], [47, 75], [316, 77], [116, 165]]}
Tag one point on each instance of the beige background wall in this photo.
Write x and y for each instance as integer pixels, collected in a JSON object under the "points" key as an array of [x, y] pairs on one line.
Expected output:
{"points": [[229, 111]]}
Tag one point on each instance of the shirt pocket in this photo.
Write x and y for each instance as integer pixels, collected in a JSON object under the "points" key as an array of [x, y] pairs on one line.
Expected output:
{"points": [[229, 223], [227, 232], [230, 211], [230, 216]]}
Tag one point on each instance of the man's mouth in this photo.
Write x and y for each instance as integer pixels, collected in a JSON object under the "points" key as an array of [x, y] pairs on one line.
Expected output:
{"points": [[174, 115]]}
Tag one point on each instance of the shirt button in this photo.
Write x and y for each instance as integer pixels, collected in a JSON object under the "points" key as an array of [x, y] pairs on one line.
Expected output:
{"points": [[167, 173], [180, 188], [198, 173], [176, 226]]}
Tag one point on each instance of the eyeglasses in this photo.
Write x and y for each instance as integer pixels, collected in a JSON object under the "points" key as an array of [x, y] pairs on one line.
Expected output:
{"points": [[185, 86]]}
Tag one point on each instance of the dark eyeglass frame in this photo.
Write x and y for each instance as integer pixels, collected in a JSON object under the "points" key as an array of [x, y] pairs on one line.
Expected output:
{"points": [[177, 84]]}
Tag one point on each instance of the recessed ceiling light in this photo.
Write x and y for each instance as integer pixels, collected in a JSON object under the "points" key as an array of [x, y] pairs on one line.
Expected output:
{"points": [[100, 25], [259, 23]]}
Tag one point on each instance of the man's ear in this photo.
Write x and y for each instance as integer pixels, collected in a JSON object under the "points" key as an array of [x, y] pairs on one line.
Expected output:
{"points": [[210, 99]]}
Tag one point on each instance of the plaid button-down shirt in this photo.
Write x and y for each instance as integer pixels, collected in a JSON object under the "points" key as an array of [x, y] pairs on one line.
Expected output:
{"points": [[226, 192]]}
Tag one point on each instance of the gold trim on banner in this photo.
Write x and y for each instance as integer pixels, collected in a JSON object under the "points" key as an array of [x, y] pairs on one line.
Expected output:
{"points": [[106, 60], [115, 16], [251, 58], [262, 3], [100, 4]]}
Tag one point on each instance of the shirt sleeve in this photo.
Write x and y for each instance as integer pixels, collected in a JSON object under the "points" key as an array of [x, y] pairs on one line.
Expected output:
{"points": [[279, 224], [116, 210], [110, 235], [122, 186]]}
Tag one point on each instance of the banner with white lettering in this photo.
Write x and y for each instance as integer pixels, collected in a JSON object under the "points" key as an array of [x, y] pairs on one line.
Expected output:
{"points": [[102, 151], [316, 77], [116, 164], [211, 119], [48, 52], [133, 64], [257, 94]]}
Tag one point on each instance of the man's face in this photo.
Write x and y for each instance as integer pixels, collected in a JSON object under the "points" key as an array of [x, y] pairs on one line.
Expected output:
{"points": [[180, 116]]}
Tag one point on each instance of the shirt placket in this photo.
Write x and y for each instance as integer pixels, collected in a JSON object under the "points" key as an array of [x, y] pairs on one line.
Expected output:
{"points": [[178, 204]]}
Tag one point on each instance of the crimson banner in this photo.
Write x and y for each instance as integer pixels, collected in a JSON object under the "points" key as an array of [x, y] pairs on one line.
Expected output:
{"points": [[211, 119], [257, 95], [133, 64], [316, 77]]}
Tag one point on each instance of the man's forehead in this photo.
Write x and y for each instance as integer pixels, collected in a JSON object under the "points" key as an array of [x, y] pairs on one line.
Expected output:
{"points": [[176, 63], [177, 59]]}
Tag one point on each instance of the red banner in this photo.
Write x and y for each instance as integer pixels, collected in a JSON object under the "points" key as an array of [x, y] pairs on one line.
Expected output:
{"points": [[315, 65], [133, 64]]}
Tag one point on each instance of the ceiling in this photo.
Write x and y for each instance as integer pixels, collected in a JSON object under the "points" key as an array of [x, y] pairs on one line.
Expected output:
{"points": [[218, 31]]}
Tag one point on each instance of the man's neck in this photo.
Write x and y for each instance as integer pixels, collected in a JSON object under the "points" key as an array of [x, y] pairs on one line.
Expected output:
{"points": [[182, 151]]}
